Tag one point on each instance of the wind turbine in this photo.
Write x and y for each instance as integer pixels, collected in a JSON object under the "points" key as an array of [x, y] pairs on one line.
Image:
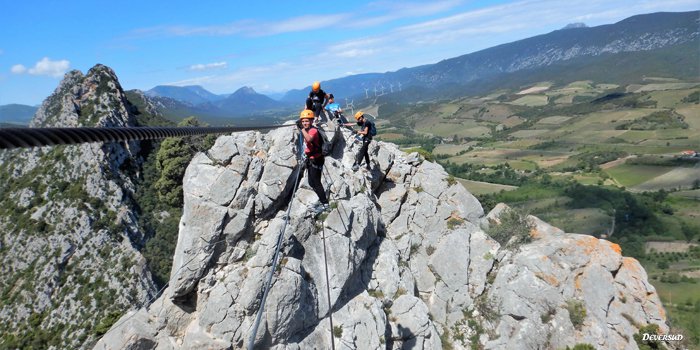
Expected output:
{"points": [[350, 106]]}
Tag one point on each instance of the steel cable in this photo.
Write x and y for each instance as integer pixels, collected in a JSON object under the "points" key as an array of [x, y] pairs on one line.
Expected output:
{"points": [[40, 137]]}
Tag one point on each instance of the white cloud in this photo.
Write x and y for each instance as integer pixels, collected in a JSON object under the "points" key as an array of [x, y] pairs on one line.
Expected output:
{"points": [[46, 66], [385, 12], [447, 32], [249, 28], [215, 65], [54, 69], [468, 31], [18, 69]]}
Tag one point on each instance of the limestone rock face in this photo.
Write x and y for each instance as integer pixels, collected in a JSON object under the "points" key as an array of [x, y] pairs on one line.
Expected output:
{"points": [[68, 231], [408, 264]]}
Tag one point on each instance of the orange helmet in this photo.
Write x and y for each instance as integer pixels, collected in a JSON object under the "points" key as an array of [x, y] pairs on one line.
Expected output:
{"points": [[315, 86], [358, 115], [306, 114]]}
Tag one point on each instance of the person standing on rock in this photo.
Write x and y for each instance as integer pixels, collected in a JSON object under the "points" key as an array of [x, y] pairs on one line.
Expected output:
{"points": [[314, 159], [317, 100], [367, 130]]}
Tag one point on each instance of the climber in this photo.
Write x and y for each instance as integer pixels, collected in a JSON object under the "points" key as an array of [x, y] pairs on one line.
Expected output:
{"points": [[317, 101], [367, 130], [334, 111], [314, 159]]}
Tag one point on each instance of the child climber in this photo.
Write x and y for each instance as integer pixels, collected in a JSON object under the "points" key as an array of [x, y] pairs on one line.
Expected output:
{"points": [[314, 159]]}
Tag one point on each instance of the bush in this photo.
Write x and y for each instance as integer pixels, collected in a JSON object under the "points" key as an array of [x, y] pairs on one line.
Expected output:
{"points": [[577, 313], [648, 344], [513, 224], [451, 180], [454, 222], [338, 331], [106, 323]]}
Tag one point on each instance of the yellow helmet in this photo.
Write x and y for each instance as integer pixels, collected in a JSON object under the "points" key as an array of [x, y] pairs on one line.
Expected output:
{"points": [[358, 115], [306, 114], [315, 86]]}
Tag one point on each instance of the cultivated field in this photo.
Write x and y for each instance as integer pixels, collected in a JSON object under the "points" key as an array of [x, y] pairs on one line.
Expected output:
{"points": [[478, 187], [531, 100], [554, 120], [633, 175], [678, 178]]}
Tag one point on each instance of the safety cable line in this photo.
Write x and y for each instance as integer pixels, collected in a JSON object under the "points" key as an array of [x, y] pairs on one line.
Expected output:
{"points": [[328, 288], [268, 284], [39, 137]]}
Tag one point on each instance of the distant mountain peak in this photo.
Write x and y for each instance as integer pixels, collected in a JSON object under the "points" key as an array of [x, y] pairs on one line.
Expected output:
{"points": [[246, 90], [575, 25], [190, 94]]}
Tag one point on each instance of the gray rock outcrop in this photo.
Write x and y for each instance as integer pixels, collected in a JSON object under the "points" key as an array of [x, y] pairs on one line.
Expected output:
{"points": [[69, 237], [409, 265]]}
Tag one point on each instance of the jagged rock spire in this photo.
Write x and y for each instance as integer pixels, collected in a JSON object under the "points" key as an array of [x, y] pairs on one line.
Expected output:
{"points": [[93, 99]]}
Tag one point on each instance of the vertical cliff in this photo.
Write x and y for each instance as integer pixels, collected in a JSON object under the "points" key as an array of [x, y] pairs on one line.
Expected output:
{"points": [[69, 237]]}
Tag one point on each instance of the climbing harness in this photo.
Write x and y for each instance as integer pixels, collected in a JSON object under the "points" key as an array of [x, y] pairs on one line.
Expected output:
{"points": [[39, 137]]}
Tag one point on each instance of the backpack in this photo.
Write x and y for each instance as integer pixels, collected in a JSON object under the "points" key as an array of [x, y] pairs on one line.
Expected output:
{"points": [[326, 145], [372, 129]]}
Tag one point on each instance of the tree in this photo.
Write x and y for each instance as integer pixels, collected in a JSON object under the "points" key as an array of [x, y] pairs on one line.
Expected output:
{"points": [[172, 159]]}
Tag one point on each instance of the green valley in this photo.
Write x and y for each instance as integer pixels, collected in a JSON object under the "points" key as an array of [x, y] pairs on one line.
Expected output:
{"points": [[616, 161]]}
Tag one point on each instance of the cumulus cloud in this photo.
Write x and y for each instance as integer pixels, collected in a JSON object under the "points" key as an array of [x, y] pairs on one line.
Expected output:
{"points": [[18, 69], [208, 66], [46, 67]]}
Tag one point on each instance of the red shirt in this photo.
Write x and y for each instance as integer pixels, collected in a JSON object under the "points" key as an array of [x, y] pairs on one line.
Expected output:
{"points": [[313, 148]]}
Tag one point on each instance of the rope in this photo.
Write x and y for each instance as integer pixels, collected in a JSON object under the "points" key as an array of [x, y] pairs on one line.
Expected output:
{"points": [[328, 288], [39, 137], [268, 284]]}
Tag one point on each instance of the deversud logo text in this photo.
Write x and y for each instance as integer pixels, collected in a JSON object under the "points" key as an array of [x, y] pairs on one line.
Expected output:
{"points": [[662, 337]]}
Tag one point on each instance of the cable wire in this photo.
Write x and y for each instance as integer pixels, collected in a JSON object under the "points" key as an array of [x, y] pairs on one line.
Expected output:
{"points": [[328, 288], [39, 137], [268, 284]]}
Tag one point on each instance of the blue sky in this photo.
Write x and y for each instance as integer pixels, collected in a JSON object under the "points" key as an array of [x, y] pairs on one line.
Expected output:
{"points": [[272, 46]]}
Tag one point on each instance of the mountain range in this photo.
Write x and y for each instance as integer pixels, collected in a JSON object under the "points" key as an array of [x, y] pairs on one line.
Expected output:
{"points": [[16, 114], [624, 52], [658, 44], [192, 94]]}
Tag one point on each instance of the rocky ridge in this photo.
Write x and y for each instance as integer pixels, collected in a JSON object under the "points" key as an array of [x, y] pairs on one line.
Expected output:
{"points": [[70, 238], [410, 263]]}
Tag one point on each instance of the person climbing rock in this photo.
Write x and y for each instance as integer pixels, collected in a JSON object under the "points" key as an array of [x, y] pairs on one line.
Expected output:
{"points": [[334, 111], [317, 101], [314, 159], [367, 132]]}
